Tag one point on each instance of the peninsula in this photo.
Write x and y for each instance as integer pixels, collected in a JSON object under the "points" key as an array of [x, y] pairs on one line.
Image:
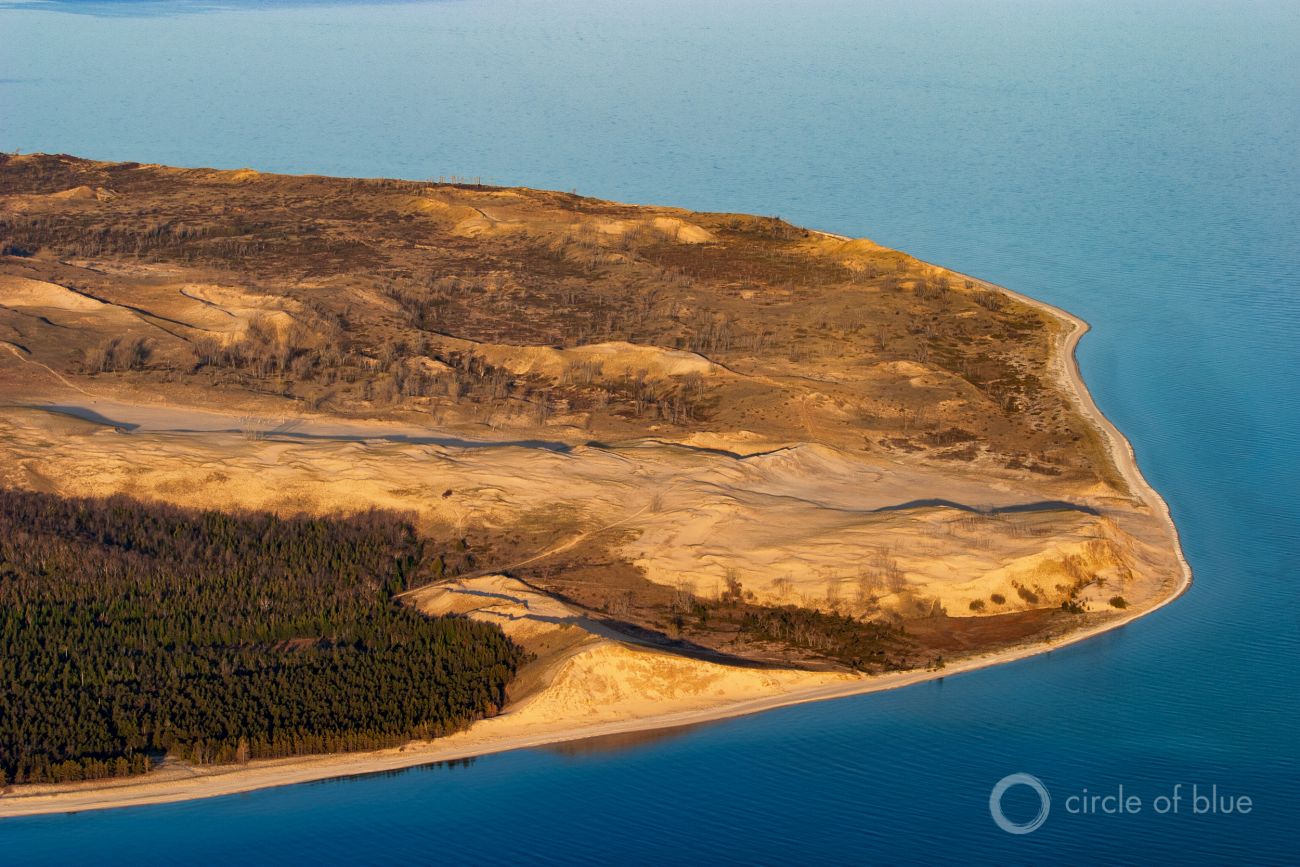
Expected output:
{"points": [[474, 468]]}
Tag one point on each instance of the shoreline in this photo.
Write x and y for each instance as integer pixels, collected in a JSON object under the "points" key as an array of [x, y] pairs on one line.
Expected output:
{"points": [[273, 773], [1066, 360]]}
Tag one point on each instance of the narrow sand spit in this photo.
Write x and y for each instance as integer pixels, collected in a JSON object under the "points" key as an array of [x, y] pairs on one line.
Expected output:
{"points": [[531, 722]]}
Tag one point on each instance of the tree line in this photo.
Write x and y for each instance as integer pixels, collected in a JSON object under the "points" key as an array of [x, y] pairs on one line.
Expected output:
{"points": [[132, 631], [859, 644]]}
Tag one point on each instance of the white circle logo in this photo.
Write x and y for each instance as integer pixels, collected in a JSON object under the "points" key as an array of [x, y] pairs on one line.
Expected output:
{"points": [[995, 803]]}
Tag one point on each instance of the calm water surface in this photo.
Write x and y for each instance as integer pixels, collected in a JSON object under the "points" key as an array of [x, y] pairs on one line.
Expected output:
{"points": [[1134, 163]]}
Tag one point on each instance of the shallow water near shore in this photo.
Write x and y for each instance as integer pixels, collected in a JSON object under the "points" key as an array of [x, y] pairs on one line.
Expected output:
{"points": [[1135, 166]]}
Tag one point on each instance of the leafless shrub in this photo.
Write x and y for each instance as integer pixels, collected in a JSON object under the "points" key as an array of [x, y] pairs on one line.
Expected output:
{"points": [[117, 354]]}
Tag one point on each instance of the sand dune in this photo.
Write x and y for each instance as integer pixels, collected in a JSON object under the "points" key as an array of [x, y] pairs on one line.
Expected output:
{"points": [[157, 312], [23, 292], [611, 359], [603, 676], [81, 192], [225, 308], [672, 228], [807, 524]]}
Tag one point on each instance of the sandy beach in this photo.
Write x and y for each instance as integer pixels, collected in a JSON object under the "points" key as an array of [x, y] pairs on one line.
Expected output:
{"points": [[518, 728]]}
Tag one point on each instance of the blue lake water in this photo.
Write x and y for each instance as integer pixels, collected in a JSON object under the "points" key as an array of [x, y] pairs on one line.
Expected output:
{"points": [[1134, 163]]}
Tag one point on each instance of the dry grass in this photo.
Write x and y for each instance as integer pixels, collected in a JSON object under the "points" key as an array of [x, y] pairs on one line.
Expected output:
{"points": [[866, 346]]}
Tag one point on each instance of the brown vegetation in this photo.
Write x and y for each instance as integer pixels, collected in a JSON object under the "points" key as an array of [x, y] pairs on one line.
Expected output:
{"points": [[401, 296]]}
